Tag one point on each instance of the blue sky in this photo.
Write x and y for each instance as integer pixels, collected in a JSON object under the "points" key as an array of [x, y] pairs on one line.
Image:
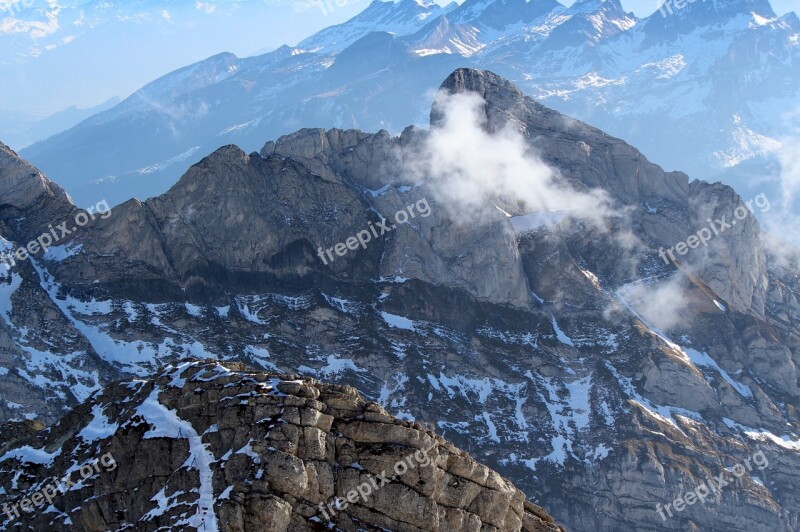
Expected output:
{"points": [[49, 73]]}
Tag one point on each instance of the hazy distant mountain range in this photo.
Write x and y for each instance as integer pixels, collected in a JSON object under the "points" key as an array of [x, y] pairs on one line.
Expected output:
{"points": [[711, 89], [23, 129], [55, 55]]}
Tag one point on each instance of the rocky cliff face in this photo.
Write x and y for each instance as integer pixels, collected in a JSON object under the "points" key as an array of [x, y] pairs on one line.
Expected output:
{"points": [[215, 447], [555, 346]]}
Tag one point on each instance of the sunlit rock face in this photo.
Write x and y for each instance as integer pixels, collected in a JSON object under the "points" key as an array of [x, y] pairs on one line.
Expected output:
{"points": [[205, 445]]}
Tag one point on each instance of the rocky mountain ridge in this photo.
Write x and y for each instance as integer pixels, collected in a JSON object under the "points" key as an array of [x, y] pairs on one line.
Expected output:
{"points": [[535, 339], [207, 446]]}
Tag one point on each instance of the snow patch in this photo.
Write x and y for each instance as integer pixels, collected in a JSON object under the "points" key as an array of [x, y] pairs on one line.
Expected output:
{"points": [[100, 427], [535, 220], [398, 322], [563, 338], [167, 424], [61, 253], [29, 455]]}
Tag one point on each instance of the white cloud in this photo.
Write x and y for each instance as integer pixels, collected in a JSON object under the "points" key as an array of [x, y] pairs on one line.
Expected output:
{"points": [[783, 221], [789, 158], [36, 29], [662, 305], [474, 173], [207, 8]]}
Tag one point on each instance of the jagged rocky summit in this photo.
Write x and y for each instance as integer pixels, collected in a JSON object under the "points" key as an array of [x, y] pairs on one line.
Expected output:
{"points": [[209, 446]]}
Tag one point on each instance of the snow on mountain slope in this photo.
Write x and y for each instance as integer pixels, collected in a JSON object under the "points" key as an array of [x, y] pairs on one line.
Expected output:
{"points": [[399, 18], [476, 23], [706, 92]]}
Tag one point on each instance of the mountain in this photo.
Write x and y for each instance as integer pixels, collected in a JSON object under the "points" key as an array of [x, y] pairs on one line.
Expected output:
{"points": [[546, 319], [203, 445], [27, 129], [406, 16]]}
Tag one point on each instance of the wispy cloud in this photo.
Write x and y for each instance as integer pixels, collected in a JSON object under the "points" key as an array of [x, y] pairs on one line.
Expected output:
{"points": [[662, 304], [205, 7], [474, 173], [36, 29], [783, 221]]}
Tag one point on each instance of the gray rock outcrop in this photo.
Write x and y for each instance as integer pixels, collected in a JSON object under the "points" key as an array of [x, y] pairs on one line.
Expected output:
{"points": [[205, 446]]}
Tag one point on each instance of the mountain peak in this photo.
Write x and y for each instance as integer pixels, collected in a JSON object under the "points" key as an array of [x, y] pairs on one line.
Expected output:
{"points": [[678, 17], [591, 6], [399, 18], [476, 80], [21, 183], [488, 85]]}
